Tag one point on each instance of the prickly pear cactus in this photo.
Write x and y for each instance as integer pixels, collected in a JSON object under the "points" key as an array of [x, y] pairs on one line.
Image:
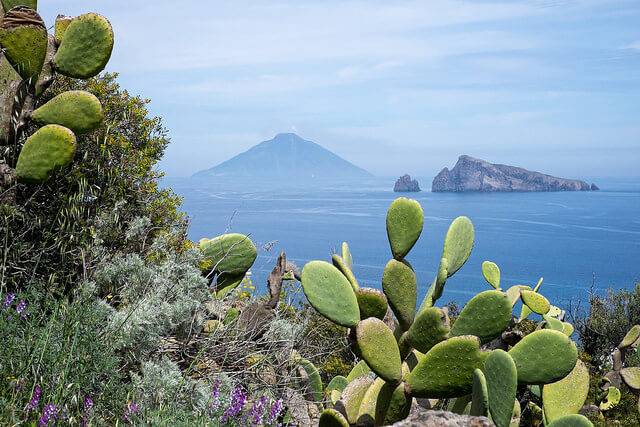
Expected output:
{"points": [[30, 59], [426, 356]]}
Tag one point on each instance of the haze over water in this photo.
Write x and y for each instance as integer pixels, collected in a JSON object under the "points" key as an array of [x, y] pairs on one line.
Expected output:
{"points": [[567, 237]]}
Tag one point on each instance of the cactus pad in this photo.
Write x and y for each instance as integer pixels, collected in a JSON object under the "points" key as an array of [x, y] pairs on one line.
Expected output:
{"points": [[567, 329], [23, 36], [62, 23], [491, 273], [225, 283], [513, 293], [367, 411], [405, 220], [339, 263], [554, 311], [630, 338], [330, 293], [553, 323], [544, 356], [574, 420], [430, 327], [400, 286], [535, 301], [346, 255], [332, 418], [480, 395], [486, 316], [611, 399], [361, 369], [502, 382], [393, 404], [351, 398], [447, 369], [230, 253], [379, 349], [631, 377], [566, 397], [458, 244], [77, 110], [86, 47], [372, 303], [50, 149], [337, 383]]}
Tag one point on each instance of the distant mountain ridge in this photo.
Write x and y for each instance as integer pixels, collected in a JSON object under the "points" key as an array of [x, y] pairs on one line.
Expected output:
{"points": [[286, 157], [471, 174]]}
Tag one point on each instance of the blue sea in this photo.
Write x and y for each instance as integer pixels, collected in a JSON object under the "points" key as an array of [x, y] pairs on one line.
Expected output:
{"points": [[576, 241]]}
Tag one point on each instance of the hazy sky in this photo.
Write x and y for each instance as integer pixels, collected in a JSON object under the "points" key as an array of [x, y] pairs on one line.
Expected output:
{"points": [[393, 86]]}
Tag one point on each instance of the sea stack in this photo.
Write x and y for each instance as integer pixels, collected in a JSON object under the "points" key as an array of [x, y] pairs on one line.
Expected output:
{"points": [[475, 175], [404, 184]]}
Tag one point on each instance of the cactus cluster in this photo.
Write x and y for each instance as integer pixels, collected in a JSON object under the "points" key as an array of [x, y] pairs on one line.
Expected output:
{"points": [[30, 60], [608, 394], [474, 364]]}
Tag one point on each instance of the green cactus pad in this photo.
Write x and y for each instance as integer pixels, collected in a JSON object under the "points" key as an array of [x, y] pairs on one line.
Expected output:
{"points": [[361, 369], [393, 404], [48, 150], [231, 254], [486, 316], [447, 369], [554, 311], [491, 273], [611, 399], [225, 283], [379, 349], [400, 286], [62, 23], [631, 377], [338, 262], [480, 395], [516, 415], [23, 36], [314, 379], [566, 397], [351, 398], [544, 357], [441, 279], [346, 256], [430, 327], [460, 405], [567, 329], [86, 47], [513, 293], [10, 4], [404, 226], [372, 303], [526, 311], [332, 418], [502, 382], [575, 420], [337, 383], [630, 338], [367, 411], [458, 244], [77, 110], [535, 301], [330, 293], [553, 323]]}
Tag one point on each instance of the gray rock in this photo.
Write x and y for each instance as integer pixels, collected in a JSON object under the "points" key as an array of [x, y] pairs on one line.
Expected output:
{"points": [[420, 416], [404, 184], [475, 175]]}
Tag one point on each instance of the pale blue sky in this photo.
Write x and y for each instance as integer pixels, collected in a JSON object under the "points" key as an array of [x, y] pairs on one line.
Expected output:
{"points": [[393, 86]]}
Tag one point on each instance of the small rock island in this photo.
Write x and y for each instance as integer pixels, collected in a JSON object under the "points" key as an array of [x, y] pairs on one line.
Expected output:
{"points": [[475, 175], [404, 184]]}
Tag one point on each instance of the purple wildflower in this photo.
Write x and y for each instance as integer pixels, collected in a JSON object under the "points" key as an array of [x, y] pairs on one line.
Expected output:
{"points": [[238, 401], [19, 386], [276, 408], [34, 402], [8, 301], [216, 400], [49, 413], [129, 412], [21, 306], [257, 410], [86, 411]]}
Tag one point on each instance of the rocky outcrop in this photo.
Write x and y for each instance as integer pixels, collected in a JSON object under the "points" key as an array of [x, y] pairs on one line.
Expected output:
{"points": [[475, 175], [404, 184], [423, 417]]}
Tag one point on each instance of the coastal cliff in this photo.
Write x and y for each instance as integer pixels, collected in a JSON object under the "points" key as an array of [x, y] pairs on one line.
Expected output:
{"points": [[404, 184], [475, 175]]}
